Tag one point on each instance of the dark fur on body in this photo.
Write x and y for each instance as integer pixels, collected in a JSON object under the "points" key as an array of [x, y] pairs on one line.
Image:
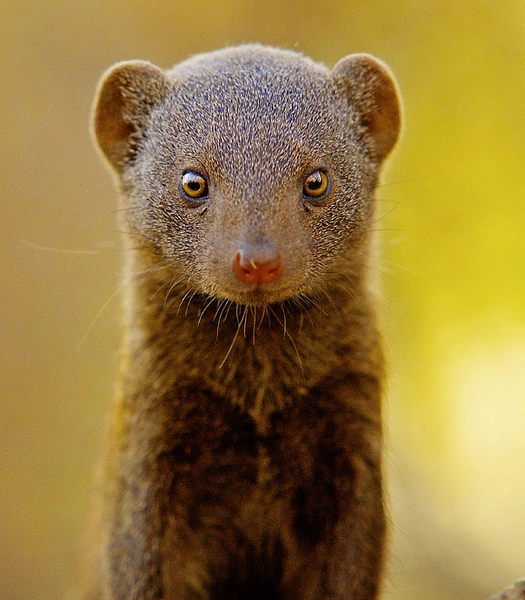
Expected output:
{"points": [[245, 450]]}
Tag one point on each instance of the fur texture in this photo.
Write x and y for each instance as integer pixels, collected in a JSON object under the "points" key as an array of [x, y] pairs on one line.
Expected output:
{"points": [[245, 450]]}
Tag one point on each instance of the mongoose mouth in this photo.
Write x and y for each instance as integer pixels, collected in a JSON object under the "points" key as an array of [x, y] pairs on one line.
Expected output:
{"points": [[258, 295]]}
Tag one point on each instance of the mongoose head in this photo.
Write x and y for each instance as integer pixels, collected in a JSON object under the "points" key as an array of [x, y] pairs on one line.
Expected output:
{"points": [[250, 171]]}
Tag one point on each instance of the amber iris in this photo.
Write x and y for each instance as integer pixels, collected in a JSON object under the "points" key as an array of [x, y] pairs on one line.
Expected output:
{"points": [[315, 185], [194, 185]]}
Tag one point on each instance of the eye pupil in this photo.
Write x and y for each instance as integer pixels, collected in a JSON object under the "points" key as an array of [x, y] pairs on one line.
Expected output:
{"points": [[194, 185], [315, 185]]}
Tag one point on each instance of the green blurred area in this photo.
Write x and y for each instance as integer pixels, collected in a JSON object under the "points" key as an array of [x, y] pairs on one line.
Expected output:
{"points": [[453, 269]]}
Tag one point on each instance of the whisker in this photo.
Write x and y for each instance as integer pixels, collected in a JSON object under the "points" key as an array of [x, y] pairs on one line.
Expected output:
{"points": [[98, 315], [284, 320], [294, 346], [44, 248], [265, 313], [237, 312], [130, 208], [205, 308], [326, 294], [245, 317], [189, 302], [228, 306], [307, 301], [239, 325], [223, 305], [182, 300], [345, 289], [126, 232], [171, 285], [253, 310], [392, 263], [388, 212]]}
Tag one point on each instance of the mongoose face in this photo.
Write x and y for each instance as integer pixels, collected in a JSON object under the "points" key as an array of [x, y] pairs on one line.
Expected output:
{"points": [[250, 171]]}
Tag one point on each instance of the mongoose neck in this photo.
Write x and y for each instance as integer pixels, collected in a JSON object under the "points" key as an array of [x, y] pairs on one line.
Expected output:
{"points": [[252, 356]]}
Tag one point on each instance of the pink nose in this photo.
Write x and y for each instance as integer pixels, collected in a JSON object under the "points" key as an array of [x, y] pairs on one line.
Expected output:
{"points": [[257, 271]]}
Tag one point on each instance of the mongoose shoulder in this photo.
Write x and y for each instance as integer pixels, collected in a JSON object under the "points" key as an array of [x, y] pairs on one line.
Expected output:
{"points": [[245, 452]]}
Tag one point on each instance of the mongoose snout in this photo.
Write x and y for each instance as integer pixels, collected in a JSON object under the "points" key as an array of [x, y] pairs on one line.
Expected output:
{"points": [[257, 269]]}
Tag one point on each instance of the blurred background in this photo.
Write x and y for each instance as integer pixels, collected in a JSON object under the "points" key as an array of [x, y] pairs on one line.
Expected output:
{"points": [[452, 214]]}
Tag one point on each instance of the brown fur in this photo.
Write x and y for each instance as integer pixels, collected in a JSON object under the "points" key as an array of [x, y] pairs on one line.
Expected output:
{"points": [[245, 453], [515, 593]]}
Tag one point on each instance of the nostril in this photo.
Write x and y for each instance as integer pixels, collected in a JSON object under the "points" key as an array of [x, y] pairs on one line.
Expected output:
{"points": [[252, 270]]}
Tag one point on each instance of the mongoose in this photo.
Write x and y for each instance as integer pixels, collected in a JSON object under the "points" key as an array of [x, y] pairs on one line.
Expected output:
{"points": [[245, 450]]}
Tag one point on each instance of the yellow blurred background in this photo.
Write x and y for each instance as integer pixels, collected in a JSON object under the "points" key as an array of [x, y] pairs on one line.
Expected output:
{"points": [[453, 221]]}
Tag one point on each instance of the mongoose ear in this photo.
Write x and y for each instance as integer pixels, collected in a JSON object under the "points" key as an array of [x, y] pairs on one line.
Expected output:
{"points": [[370, 87], [126, 94]]}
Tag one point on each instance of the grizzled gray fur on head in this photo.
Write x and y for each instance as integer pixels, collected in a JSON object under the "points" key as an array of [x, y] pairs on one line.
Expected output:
{"points": [[254, 122]]}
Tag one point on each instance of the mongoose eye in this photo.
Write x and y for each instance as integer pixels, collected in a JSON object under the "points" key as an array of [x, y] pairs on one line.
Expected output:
{"points": [[194, 185], [315, 185]]}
